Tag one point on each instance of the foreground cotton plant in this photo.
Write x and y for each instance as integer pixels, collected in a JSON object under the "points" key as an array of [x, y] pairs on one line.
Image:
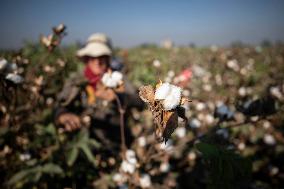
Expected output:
{"points": [[165, 103]]}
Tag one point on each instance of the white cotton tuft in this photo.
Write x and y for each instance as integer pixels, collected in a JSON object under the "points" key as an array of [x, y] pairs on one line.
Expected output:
{"points": [[15, 78], [117, 76], [130, 157], [129, 164], [127, 167], [113, 79], [3, 64], [163, 91], [180, 132], [145, 181], [171, 95]]}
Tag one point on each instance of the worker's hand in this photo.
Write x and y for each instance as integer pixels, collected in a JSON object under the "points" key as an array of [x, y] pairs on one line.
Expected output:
{"points": [[104, 93], [70, 121]]}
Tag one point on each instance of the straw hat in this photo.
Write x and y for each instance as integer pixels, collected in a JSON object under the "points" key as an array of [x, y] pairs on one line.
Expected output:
{"points": [[101, 38], [97, 45]]}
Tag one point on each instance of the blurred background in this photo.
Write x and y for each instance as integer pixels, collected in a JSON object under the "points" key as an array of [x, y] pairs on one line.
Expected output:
{"points": [[227, 56]]}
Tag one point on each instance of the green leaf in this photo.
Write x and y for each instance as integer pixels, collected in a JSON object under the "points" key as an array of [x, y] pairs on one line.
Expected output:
{"points": [[19, 176], [50, 129], [36, 177], [94, 143], [72, 156], [207, 150], [51, 168], [88, 153]]}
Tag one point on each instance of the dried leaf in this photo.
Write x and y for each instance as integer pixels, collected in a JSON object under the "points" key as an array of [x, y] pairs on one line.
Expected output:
{"points": [[183, 100], [170, 123], [147, 94], [159, 84]]}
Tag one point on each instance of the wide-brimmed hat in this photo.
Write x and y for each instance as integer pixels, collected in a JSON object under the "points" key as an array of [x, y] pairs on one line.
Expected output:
{"points": [[97, 45], [101, 38]]}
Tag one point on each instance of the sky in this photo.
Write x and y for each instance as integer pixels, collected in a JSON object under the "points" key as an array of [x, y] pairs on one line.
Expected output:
{"points": [[132, 22]]}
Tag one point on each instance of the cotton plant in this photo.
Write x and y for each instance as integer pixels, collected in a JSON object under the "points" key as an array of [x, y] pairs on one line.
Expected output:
{"points": [[165, 102], [113, 80], [9, 71], [53, 40]]}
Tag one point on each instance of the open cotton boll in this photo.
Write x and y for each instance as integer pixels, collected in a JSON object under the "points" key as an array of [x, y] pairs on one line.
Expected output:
{"points": [[117, 76], [130, 156], [14, 78], [127, 167], [163, 91], [3, 64], [172, 101], [173, 98], [145, 181], [171, 95], [113, 79]]}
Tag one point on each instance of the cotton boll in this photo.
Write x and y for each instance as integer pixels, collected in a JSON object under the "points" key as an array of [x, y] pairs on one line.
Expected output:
{"points": [[171, 73], [156, 63], [170, 94], [3, 64], [142, 141], [117, 76], [195, 123], [275, 91], [15, 78], [25, 157], [145, 181], [200, 106], [269, 139], [171, 102], [180, 132], [207, 87], [241, 146], [191, 156], [167, 146], [113, 79], [119, 178], [273, 171], [127, 167], [233, 64], [12, 67], [163, 91], [266, 124], [186, 93], [209, 119], [130, 157], [164, 167], [242, 91]]}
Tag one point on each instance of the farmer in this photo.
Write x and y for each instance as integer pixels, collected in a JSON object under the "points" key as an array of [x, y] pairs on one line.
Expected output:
{"points": [[84, 100]]}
